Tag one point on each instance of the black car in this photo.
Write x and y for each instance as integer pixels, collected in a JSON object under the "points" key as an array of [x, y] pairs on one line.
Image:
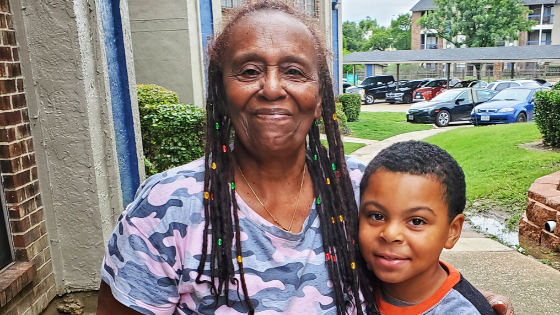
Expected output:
{"points": [[450, 105], [405, 91], [345, 85], [373, 88], [470, 83]]}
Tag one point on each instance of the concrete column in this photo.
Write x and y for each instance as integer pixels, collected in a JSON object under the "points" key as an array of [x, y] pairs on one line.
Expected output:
{"points": [[76, 58], [168, 45]]}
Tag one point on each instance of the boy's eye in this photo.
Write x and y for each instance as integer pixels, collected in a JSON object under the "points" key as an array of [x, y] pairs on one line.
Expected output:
{"points": [[417, 221]]}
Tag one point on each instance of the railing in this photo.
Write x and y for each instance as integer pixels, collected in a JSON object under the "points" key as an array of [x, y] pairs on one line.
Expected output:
{"points": [[547, 18], [428, 46], [536, 42], [532, 42], [535, 17]]}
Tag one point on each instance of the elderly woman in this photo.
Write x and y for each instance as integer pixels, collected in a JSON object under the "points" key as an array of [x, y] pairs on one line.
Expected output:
{"points": [[266, 225]]}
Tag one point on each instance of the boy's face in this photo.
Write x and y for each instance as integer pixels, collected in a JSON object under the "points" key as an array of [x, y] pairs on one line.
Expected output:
{"points": [[404, 226]]}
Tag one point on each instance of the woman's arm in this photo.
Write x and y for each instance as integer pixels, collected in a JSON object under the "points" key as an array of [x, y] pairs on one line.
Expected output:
{"points": [[108, 305], [501, 304]]}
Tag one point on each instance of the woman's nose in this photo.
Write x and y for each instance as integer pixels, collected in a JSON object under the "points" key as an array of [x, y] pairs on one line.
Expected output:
{"points": [[272, 86], [392, 233]]}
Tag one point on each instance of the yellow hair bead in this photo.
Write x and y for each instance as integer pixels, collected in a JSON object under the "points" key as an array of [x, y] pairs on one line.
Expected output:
{"points": [[239, 259], [353, 265], [334, 116], [340, 218], [333, 220], [206, 195], [328, 181], [213, 165]]}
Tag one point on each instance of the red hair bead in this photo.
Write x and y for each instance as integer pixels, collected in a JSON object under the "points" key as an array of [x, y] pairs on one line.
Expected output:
{"points": [[328, 256], [334, 258], [224, 148], [337, 173]]}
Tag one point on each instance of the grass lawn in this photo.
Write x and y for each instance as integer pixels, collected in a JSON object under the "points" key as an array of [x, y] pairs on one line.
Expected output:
{"points": [[380, 126], [496, 170], [349, 147]]}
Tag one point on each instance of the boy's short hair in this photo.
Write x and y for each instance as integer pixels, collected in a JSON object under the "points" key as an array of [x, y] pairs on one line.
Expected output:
{"points": [[424, 159]]}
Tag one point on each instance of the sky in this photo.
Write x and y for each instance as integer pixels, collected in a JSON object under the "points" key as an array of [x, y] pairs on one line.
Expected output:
{"points": [[381, 10]]}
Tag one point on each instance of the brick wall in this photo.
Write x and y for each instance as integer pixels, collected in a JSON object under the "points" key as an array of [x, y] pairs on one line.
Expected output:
{"points": [[543, 205], [29, 285], [415, 39]]}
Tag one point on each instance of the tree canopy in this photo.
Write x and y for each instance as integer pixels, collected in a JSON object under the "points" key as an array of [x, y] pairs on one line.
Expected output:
{"points": [[369, 35], [477, 23]]}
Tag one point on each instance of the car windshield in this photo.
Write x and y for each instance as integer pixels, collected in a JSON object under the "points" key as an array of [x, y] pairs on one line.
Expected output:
{"points": [[512, 95], [410, 84], [431, 84], [531, 84], [448, 95], [491, 85], [367, 81]]}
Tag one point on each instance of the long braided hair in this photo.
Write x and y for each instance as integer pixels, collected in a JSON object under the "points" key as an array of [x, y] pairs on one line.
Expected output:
{"points": [[335, 203]]}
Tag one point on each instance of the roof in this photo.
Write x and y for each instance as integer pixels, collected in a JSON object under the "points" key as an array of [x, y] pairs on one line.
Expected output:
{"points": [[543, 53], [425, 5]]}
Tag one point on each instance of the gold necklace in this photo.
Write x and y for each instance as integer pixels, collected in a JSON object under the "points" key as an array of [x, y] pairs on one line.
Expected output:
{"points": [[270, 213]]}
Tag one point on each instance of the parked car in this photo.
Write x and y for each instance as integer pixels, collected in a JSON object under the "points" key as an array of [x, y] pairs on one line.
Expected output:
{"points": [[430, 89], [508, 106], [345, 86], [500, 85], [543, 82], [405, 91], [373, 88], [470, 83], [450, 105]]}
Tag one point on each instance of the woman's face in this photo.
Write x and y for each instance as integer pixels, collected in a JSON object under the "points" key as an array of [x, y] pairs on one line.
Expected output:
{"points": [[271, 82]]}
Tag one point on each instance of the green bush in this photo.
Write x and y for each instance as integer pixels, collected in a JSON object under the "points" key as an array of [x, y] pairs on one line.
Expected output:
{"points": [[172, 133], [547, 115], [352, 105], [556, 86]]}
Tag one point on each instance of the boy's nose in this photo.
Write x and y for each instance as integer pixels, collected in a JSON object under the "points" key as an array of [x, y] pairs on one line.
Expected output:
{"points": [[392, 233]]}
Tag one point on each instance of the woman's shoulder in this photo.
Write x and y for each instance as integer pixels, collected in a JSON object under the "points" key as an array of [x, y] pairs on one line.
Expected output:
{"points": [[180, 187], [354, 164]]}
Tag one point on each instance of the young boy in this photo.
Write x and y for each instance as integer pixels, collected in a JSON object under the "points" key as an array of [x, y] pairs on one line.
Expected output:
{"points": [[412, 199]]}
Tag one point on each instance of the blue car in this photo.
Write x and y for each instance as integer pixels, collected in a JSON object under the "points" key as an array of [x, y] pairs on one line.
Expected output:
{"points": [[508, 106]]}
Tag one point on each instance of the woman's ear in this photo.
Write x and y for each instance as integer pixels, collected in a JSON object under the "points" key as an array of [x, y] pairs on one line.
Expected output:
{"points": [[319, 107], [455, 228]]}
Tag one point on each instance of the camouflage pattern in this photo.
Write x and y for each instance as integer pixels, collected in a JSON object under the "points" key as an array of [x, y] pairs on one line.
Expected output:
{"points": [[152, 257]]}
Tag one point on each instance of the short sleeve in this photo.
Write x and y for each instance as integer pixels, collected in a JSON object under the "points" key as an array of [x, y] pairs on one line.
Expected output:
{"points": [[356, 171], [137, 267]]}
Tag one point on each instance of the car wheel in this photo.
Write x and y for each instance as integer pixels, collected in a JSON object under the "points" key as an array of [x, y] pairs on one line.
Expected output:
{"points": [[391, 102], [407, 99], [521, 118], [370, 99], [443, 118]]}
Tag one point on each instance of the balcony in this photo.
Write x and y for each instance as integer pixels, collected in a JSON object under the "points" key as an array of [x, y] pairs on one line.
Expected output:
{"points": [[547, 19], [428, 46], [536, 42]]}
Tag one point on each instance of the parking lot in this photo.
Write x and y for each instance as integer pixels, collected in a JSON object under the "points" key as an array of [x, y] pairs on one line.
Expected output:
{"points": [[382, 106]]}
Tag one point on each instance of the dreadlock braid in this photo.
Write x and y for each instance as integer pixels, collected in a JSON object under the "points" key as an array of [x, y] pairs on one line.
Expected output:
{"points": [[334, 195]]}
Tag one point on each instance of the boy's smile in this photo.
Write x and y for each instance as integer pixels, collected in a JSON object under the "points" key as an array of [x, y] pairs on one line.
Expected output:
{"points": [[404, 226]]}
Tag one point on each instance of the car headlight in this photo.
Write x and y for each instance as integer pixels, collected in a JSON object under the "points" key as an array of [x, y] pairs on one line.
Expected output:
{"points": [[428, 109], [506, 109], [362, 91], [474, 110]]}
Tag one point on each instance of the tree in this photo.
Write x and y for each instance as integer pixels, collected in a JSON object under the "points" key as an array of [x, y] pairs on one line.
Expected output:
{"points": [[480, 23], [400, 31]]}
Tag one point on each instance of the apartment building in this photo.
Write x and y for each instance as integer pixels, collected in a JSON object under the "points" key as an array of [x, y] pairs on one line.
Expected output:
{"points": [[545, 32]]}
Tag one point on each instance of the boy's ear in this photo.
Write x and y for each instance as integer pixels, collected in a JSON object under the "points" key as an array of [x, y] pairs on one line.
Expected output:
{"points": [[455, 228]]}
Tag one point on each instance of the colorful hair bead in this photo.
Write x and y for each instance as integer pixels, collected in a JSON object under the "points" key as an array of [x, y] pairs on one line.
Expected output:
{"points": [[232, 185], [340, 218], [224, 148], [328, 181], [333, 167], [333, 220], [328, 256], [217, 126], [219, 242], [214, 166], [211, 196], [333, 258], [353, 265], [334, 116], [316, 122], [206, 195], [239, 259], [338, 174], [315, 157], [318, 201]]}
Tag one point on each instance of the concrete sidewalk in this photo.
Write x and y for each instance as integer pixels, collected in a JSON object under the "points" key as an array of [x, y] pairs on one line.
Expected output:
{"points": [[533, 288]]}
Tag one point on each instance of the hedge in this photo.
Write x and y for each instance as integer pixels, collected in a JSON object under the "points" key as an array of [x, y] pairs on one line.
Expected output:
{"points": [[547, 115], [172, 134], [352, 105], [342, 121]]}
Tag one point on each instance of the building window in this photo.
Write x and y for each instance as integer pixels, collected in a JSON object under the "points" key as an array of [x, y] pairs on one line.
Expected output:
{"points": [[547, 14], [546, 37], [429, 41], [5, 244], [533, 38], [231, 3], [308, 6], [536, 14]]}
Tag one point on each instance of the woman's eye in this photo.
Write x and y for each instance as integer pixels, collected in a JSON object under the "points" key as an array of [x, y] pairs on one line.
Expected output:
{"points": [[250, 72], [294, 72], [417, 221], [377, 217]]}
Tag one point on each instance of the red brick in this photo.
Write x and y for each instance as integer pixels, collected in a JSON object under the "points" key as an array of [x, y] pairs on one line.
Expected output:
{"points": [[3, 70], [20, 85], [8, 135], [5, 54], [5, 102], [36, 217], [32, 189], [28, 237], [529, 230], [38, 201], [15, 53], [9, 21], [3, 23], [8, 151], [29, 144], [16, 180], [7, 86], [34, 175], [18, 101], [5, 6], [557, 230], [550, 241], [10, 166], [540, 213], [9, 38], [24, 115], [10, 118], [23, 131], [20, 226], [14, 69], [15, 196], [28, 161]]}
